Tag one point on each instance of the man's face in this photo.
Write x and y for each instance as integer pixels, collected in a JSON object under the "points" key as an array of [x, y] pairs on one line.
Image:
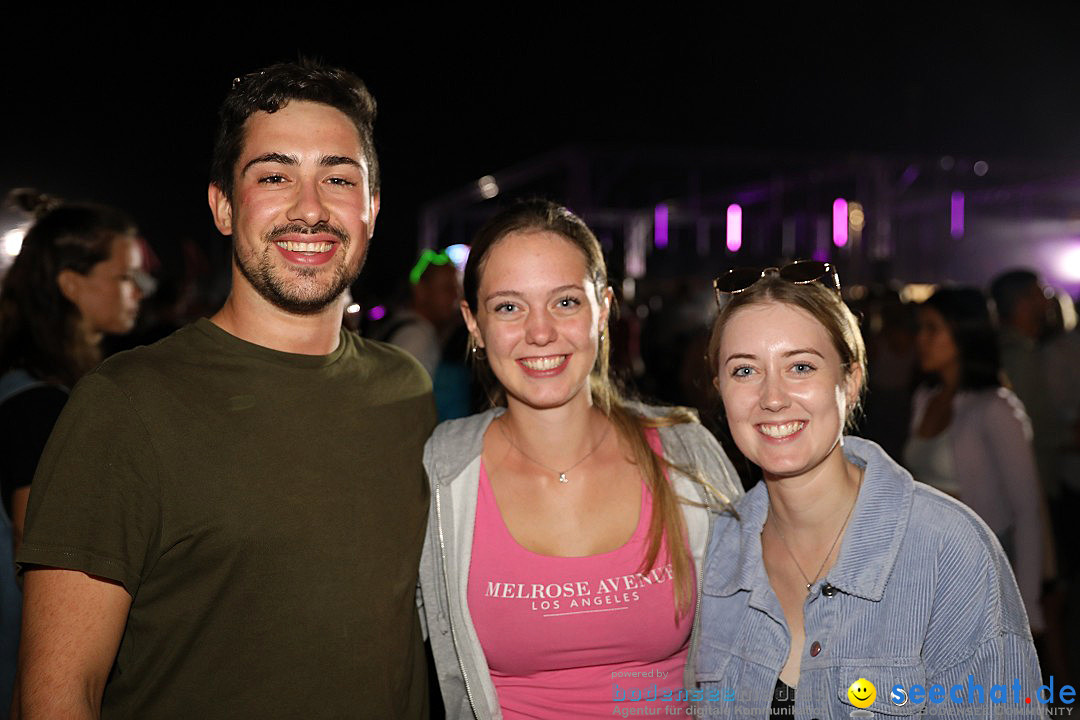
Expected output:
{"points": [[302, 213], [438, 295]]}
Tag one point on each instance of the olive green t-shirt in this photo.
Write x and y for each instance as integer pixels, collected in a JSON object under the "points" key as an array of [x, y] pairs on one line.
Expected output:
{"points": [[264, 510]]}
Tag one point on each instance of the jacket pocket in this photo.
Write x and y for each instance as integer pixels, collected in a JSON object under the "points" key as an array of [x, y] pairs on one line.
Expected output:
{"points": [[711, 667]]}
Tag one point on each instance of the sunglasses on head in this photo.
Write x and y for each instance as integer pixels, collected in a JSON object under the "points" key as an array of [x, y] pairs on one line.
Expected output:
{"points": [[800, 272]]}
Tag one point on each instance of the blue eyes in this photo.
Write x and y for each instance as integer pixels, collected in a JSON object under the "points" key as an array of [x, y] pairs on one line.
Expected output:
{"points": [[799, 368], [566, 303]]}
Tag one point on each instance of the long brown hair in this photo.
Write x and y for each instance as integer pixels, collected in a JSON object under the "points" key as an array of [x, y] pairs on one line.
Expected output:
{"points": [[667, 518], [40, 329]]}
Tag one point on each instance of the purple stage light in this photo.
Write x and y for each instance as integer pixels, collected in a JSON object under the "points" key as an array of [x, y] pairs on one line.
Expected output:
{"points": [[956, 214], [377, 313], [839, 222], [660, 226], [734, 227]]}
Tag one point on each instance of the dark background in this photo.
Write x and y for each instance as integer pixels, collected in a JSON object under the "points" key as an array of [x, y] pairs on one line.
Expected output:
{"points": [[120, 107]]}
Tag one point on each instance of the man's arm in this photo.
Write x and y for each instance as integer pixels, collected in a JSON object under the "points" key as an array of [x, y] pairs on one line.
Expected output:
{"points": [[71, 629]]}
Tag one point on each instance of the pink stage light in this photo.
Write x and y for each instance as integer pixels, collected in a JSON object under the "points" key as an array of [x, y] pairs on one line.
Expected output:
{"points": [[839, 222], [734, 227], [956, 214], [660, 226]]}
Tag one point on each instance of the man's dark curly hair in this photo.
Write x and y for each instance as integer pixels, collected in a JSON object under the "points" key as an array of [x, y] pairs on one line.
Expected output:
{"points": [[270, 89]]}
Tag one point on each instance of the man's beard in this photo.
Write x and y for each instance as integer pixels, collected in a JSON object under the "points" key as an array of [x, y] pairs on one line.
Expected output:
{"points": [[288, 293]]}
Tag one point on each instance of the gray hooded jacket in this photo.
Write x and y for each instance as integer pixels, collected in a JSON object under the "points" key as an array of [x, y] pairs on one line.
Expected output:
{"points": [[452, 460]]}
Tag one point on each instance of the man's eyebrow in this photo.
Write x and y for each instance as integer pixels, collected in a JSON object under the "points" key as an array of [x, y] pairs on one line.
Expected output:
{"points": [[272, 157], [332, 160]]}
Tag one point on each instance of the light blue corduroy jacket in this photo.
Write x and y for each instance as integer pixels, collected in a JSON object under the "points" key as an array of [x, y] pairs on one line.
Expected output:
{"points": [[920, 594]]}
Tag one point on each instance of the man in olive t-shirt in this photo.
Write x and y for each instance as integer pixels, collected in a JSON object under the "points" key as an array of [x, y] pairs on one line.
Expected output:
{"points": [[227, 524]]}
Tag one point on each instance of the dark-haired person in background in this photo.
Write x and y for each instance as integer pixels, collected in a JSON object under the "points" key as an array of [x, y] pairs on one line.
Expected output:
{"points": [[228, 523], [971, 438], [74, 280], [431, 330]]}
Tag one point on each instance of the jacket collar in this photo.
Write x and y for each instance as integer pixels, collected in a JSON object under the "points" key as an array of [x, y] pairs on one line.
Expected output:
{"points": [[871, 543]]}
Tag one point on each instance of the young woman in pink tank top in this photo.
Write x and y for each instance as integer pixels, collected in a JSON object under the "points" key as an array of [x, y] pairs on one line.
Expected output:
{"points": [[560, 574]]}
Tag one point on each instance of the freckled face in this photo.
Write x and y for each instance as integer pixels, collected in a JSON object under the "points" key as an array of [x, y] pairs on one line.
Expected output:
{"points": [[538, 318], [785, 392]]}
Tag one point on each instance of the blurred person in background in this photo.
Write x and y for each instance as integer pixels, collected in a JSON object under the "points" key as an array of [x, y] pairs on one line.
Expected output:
{"points": [[1061, 349], [890, 350], [970, 436], [429, 328], [74, 281], [432, 310], [1023, 310], [563, 502]]}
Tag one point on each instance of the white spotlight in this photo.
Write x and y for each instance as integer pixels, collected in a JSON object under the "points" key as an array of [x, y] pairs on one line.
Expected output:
{"points": [[488, 187]]}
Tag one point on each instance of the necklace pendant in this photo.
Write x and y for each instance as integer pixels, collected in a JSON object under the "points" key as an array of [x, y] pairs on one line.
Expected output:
{"points": [[808, 587], [562, 477]]}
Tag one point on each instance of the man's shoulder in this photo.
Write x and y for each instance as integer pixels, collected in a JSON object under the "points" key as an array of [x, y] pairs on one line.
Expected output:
{"points": [[181, 348], [390, 361]]}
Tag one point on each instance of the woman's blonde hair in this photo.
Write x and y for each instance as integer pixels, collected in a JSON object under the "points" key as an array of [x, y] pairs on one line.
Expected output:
{"points": [[821, 302], [667, 519]]}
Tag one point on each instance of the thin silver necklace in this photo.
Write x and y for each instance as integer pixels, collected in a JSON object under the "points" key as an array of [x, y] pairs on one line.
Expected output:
{"points": [[832, 547], [561, 473]]}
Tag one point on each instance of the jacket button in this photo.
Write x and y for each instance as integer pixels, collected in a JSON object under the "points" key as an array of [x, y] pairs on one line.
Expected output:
{"points": [[828, 590], [815, 649]]}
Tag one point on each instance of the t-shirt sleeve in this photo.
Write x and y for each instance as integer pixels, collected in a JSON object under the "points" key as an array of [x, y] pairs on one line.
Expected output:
{"points": [[94, 505], [25, 423]]}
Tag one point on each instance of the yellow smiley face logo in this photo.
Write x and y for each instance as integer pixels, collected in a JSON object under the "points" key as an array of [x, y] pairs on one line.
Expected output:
{"points": [[862, 693]]}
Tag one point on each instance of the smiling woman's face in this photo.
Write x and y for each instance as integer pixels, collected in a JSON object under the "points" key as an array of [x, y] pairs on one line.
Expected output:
{"points": [[538, 318], [786, 393]]}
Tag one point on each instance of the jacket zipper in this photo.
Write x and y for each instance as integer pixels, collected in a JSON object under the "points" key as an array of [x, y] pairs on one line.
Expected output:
{"points": [[696, 631], [449, 610]]}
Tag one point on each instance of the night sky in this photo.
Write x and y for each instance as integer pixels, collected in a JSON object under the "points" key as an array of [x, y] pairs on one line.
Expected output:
{"points": [[122, 109]]}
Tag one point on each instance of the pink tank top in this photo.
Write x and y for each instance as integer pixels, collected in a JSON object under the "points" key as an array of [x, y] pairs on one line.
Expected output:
{"points": [[584, 637]]}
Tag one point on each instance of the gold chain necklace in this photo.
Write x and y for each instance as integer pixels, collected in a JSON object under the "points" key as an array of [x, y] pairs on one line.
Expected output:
{"points": [[562, 474], [832, 547]]}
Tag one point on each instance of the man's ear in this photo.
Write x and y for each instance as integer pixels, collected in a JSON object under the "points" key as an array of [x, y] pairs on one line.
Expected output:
{"points": [[376, 200], [68, 282], [220, 208]]}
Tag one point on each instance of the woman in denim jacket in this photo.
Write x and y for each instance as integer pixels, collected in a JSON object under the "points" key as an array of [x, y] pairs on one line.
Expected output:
{"points": [[845, 588]]}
